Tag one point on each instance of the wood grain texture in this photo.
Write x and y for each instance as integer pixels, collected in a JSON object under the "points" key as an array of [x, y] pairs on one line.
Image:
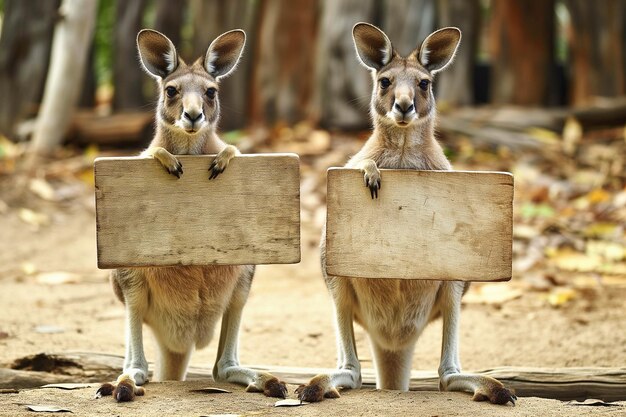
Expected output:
{"points": [[442, 225], [250, 214]]}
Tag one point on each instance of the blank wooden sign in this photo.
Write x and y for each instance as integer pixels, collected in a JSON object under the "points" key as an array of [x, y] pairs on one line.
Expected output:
{"points": [[443, 225], [249, 214]]}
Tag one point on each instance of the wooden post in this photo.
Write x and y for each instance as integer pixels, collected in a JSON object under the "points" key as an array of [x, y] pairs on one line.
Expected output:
{"points": [[522, 39], [250, 214], [442, 225]]}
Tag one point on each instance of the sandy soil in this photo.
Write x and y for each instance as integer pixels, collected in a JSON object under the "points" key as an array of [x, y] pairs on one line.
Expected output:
{"points": [[167, 399], [288, 321]]}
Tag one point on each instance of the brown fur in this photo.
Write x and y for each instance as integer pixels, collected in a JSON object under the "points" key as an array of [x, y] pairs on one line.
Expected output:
{"points": [[182, 304], [394, 312], [123, 390]]}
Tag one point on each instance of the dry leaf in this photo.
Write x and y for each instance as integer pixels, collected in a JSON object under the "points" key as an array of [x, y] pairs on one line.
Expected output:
{"points": [[87, 177], [7, 148], [545, 136], [56, 278], [598, 196], [33, 218], [491, 294], [569, 260], [224, 415], [28, 268], [602, 230], [48, 409], [211, 390], [524, 231], [49, 329], [611, 251], [289, 402], [42, 189], [67, 386], [590, 402], [572, 135], [561, 296]]}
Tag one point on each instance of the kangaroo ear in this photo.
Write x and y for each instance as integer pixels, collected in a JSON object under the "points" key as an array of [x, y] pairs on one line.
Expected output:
{"points": [[157, 53], [373, 47], [439, 48], [224, 52]]}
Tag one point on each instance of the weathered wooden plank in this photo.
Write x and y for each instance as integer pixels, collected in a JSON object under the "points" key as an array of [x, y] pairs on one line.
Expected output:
{"points": [[250, 214], [443, 225]]}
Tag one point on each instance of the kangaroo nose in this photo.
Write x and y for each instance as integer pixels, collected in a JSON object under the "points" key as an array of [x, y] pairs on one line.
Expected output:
{"points": [[193, 116], [404, 108]]}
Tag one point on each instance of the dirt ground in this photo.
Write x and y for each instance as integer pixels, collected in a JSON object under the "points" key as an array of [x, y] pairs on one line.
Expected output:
{"points": [[54, 299], [171, 398]]}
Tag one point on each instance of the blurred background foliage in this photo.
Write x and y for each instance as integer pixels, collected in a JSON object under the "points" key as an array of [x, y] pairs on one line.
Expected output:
{"points": [[537, 89], [299, 64]]}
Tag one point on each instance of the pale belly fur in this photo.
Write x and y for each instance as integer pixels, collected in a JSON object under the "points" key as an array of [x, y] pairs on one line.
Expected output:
{"points": [[182, 304], [394, 312]]}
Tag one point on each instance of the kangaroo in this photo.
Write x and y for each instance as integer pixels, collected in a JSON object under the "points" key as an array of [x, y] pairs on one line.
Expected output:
{"points": [[182, 304], [394, 312]]}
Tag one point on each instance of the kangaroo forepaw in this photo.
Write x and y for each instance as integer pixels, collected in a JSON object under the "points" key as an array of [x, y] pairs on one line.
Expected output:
{"points": [[372, 180], [496, 395], [171, 164], [215, 170], [316, 390], [124, 389], [221, 161]]}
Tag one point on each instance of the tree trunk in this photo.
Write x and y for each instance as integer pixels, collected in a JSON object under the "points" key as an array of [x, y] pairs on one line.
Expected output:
{"points": [[127, 73], [169, 19], [211, 18], [596, 42], [70, 48], [88, 91], [283, 79], [25, 44], [408, 23], [455, 86], [522, 41], [343, 87]]}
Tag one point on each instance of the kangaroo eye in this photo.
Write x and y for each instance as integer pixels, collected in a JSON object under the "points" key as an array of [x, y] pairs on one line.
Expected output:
{"points": [[424, 84], [171, 91], [210, 92], [384, 83]]}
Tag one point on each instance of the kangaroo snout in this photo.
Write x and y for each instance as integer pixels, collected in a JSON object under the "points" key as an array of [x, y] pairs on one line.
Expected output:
{"points": [[403, 107], [193, 115], [192, 112]]}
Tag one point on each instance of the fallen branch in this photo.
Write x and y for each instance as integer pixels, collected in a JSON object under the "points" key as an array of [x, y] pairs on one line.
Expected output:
{"points": [[512, 126], [607, 384], [120, 129]]}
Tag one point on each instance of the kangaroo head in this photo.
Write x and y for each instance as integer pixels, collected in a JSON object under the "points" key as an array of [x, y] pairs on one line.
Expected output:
{"points": [[402, 93], [188, 97]]}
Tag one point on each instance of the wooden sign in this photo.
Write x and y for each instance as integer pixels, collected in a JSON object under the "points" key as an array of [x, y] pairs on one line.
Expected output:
{"points": [[249, 214], [438, 225]]}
